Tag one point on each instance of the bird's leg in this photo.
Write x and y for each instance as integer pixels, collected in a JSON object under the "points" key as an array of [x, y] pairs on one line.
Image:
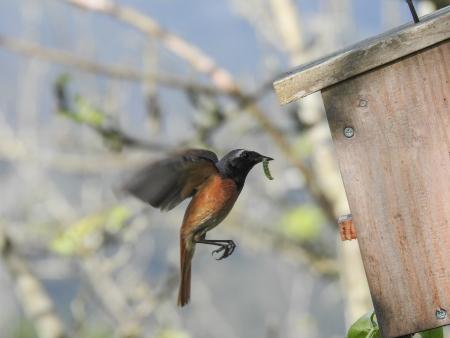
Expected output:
{"points": [[227, 246]]}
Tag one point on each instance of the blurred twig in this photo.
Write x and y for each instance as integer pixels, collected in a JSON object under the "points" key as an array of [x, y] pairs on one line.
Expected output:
{"points": [[264, 239], [15, 149], [211, 114], [193, 55], [69, 59], [33, 298], [123, 292], [284, 13], [152, 100], [221, 78], [112, 297], [87, 115]]}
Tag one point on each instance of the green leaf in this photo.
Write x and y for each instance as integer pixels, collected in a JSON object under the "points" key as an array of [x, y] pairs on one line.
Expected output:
{"points": [[72, 241], [364, 327], [95, 332], [367, 327], [303, 146], [172, 334], [112, 139], [87, 114], [83, 111], [117, 217], [62, 80], [25, 329], [303, 223], [434, 333]]}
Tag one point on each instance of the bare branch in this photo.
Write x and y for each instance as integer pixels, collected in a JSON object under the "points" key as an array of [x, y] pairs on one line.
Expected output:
{"points": [[15, 150], [116, 71], [35, 301], [263, 239], [190, 53], [112, 298], [289, 28], [221, 78]]}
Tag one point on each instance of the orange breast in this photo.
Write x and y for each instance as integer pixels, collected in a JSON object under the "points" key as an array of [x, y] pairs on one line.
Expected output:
{"points": [[210, 205]]}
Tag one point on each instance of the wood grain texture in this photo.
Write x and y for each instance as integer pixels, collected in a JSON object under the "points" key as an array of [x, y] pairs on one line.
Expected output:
{"points": [[396, 172], [364, 56]]}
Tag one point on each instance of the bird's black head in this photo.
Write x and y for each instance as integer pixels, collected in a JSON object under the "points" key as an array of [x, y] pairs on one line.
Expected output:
{"points": [[238, 163]]}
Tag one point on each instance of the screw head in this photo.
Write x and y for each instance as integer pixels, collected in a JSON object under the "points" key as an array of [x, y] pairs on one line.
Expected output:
{"points": [[349, 132], [363, 103], [441, 313]]}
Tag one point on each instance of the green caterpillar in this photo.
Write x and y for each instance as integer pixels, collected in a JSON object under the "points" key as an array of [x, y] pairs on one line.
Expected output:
{"points": [[266, 169]]}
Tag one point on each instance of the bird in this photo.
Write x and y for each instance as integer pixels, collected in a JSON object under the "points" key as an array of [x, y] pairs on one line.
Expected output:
{"points": [[214, 186]]}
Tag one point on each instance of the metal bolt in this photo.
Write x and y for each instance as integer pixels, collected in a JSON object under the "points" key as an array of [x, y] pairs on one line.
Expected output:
{"points": [[349, 132], [441, 313]]}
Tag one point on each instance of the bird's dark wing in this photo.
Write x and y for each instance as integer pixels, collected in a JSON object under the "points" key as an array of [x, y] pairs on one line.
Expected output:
{"points": [[166, 183]]}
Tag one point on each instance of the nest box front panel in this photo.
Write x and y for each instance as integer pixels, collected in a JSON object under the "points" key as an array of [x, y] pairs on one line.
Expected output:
{"points": [[391, 130]]}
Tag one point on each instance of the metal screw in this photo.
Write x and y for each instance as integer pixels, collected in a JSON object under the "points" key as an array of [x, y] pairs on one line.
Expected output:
{"points": [[349, 132], [441, 313], [363, 103]]}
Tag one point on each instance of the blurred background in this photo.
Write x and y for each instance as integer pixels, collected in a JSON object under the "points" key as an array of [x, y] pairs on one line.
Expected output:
{"points": [[90, 90]]}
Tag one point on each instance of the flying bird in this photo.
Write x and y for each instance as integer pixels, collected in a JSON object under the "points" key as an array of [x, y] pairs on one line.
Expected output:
{"points": [[214, 187]]}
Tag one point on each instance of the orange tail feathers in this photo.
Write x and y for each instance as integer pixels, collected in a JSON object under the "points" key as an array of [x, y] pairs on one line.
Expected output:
{"points": [[186, 254]]}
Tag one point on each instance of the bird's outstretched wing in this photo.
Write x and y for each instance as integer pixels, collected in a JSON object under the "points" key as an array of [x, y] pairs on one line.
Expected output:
{"points": [[164, 184]]}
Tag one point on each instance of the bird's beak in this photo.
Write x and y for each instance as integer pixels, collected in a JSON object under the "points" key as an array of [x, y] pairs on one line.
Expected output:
{"points": [[266, 158]]}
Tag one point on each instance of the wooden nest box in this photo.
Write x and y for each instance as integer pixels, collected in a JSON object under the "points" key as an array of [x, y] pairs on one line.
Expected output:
{"points": [[387, 101]]}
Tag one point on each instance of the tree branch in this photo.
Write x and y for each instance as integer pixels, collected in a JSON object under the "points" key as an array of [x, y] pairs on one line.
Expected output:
{"points": [[116, 71], [190, 53], [35, 301], [221, 78]]}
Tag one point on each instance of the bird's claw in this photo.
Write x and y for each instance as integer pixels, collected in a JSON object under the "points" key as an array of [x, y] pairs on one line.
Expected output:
{"points": [[231, 246], [222, 248], [227, 249]]}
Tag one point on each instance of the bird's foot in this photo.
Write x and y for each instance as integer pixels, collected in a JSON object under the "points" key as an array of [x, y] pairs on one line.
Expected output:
{"points": [[227, 250]]}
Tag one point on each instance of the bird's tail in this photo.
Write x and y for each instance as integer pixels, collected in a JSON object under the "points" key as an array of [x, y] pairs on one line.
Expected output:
{"points": [[186, 254]]}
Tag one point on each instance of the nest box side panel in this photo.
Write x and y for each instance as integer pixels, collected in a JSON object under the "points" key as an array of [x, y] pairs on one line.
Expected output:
{"points": [[396, 172]]}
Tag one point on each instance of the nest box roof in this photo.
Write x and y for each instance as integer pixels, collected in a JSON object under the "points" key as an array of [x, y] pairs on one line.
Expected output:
{"points": [[364, 56]]}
